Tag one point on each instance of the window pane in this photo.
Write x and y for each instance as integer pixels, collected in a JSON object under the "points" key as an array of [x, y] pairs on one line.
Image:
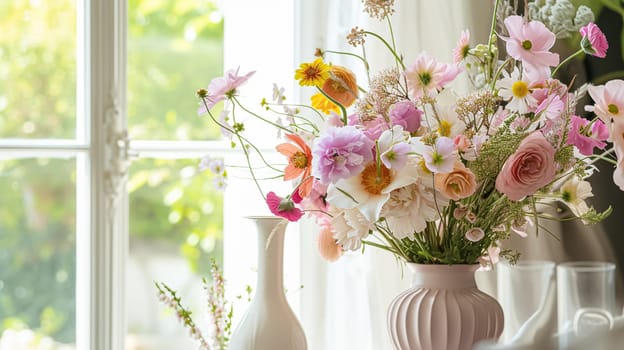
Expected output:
{"points": [[174, 48], [38, 68], [176, 223], [38, 251]]}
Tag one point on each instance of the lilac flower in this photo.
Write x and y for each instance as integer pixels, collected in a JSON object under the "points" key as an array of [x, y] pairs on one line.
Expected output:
{"points": [[441, 158], [405, 114], [340, 153]]}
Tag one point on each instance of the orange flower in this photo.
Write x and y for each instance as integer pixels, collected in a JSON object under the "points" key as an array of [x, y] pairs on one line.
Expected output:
{"points": [[320, 102], [459, 183], [299, 162], [341, 85]]}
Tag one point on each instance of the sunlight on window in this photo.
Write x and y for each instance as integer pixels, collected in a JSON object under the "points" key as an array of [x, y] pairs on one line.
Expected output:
{"points": [[38, 255]]}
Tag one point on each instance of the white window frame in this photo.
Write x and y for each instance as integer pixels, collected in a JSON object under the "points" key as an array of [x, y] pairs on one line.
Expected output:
{"points": [[103, 154]]}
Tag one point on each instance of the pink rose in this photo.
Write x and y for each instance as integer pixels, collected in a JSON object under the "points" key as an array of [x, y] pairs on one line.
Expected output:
{"points": [[530, 168]]}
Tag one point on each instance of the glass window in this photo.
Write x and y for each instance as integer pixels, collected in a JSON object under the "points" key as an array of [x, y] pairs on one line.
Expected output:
{"points": [[38, 69], [38, 255], [174, 47], [175, 213]]}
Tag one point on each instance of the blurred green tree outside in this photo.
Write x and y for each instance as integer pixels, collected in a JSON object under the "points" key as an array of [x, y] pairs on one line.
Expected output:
{"points": [[174, 47]]}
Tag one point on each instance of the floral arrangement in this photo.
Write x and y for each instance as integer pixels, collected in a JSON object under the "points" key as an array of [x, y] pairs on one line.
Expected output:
{"points": [[407, 165]]}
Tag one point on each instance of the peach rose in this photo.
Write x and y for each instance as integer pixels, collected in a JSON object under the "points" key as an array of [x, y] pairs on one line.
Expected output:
{"points": [[459, 183], [530, 168]]}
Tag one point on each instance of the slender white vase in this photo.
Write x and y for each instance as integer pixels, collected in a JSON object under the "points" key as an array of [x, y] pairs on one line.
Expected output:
{"points": [[269, 323], [443, 309]]}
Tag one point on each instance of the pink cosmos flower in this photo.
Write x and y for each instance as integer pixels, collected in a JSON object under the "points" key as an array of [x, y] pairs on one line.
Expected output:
{"points": [[551, 107], [609, 100], [586, 137], [405, 114], [222, 87], [593, 41], [427, 76], [530, 43], [551, 112], [530, 168], [283, 207], [617, 134], [340, 153], [461, 50], [441, 158]]}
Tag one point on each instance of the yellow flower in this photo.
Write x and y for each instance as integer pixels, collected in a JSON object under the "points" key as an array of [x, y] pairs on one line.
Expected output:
{"points": [[312, 74], [323, 104]]}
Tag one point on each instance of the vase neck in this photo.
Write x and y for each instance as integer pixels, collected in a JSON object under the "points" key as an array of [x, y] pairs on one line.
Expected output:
{"points": [[443, 276], [270, 255]]}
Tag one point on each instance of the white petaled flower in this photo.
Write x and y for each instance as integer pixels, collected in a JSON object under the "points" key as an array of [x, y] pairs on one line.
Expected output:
{"points": [[349, 227], [278, 94], [369, 190], [516, 91], [220, 183], [475, 234], [217, 166], [445, 123], [409, 208], [393, 148], [573, 194], [225, 125]]}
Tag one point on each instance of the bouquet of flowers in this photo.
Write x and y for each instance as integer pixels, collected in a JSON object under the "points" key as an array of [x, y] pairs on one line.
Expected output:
{"points": [[407, 165]]}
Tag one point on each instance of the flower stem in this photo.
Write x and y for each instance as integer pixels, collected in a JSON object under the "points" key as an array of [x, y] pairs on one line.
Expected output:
{"points": [[580, 51], [342, 108], [392, 51]]}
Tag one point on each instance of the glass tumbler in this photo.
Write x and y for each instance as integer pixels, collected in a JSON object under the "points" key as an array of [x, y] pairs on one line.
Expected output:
{"points": [[524, 290], [585, 298]]}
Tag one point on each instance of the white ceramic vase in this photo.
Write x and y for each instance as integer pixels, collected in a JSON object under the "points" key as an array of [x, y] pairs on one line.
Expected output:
{"points": [[269, 323], [443, 309]]}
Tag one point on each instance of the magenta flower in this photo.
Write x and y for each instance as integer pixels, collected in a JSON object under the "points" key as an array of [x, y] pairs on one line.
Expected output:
{"points": [[427, 76], [222, 87], [283, 207], [593, 41], [586, 137], [340, 153], [405, 114], [441, 158], [530, 43]]}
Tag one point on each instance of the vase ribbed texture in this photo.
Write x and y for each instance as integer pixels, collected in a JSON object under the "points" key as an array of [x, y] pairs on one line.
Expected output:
{"points": [[270, 323], [443, 310]]}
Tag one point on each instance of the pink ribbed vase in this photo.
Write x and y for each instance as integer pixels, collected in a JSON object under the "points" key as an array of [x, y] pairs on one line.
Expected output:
{"points": [[443, 310]]}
